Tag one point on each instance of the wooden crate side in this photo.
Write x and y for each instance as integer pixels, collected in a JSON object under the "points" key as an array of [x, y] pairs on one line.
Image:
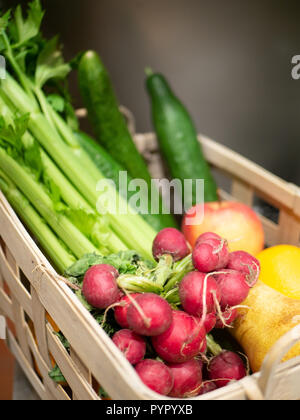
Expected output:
{"points": [[85, 373], [289, 228], [16, 288], [76, 378], [54, 389], [297, 202], [249, 172], [5, 305], [39, 322], [27, 369], [239, 169]]}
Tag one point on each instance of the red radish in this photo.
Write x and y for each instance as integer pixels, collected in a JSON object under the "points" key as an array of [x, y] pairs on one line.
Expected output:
{"points": [[110, 269], [206, 387], [172, 242], [233, 286], [198, 290], [210, 322], [220, 246], [187, 379], [210, 253], [182, 341], [121, 311], [204, 258], [247, 264], [228, 317], [152, 315], [132, 345], [156, 375], [100, 287], [207, 236], [225, 368]]}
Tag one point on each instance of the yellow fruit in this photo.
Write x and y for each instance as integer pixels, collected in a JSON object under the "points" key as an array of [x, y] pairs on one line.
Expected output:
{"points": [[280, 269], [269, 317]]}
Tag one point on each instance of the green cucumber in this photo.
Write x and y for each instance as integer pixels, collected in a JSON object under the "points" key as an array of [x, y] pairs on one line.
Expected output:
{"points": [[177, 137], [108, 123], [111, 170]]}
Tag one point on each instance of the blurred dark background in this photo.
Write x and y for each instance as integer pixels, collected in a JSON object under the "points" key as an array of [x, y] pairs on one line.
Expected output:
{"points": [[230, 62]]}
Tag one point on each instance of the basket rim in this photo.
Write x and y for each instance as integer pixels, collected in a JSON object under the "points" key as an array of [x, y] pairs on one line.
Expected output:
{"points": [[284, 193]]}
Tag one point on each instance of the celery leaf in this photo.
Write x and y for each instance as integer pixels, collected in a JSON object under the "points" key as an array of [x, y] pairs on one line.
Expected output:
{"points": [[4, 21], [50, 64], [32, 159], [26, 29], [91, 225], [12, 134], [53, 192], [11, 138], [57, 102]]}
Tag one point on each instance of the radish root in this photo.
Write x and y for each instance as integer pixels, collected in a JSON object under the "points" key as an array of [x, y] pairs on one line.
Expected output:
{"points": [[253, 276], [220, 247], [220, 313], [114, 305], [146, 320]]}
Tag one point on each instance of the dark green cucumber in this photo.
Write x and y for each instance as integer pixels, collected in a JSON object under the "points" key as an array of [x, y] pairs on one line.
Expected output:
{"points": [[109, 125], [177, 136], [111, 170]]}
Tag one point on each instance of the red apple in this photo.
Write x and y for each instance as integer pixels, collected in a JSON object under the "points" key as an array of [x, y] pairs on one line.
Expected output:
{"points": [[233, 221]]}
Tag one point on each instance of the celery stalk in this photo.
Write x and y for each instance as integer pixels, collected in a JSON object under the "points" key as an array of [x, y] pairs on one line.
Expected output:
{"points": [[124, 225], [73, 199], [19, 98], [61, 258], [130, 228], [70, 195], [55, 120], [35, 193]]}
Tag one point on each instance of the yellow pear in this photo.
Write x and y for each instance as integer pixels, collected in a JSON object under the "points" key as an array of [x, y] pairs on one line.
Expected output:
{"points": [[268, 317]]}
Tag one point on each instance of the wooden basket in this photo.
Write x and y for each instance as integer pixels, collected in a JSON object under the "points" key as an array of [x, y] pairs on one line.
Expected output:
{"points": [[30, 289]]}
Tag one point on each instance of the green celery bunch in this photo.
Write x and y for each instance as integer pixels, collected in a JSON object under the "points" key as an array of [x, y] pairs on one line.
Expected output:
{"points": [[48, 189], [35, 67]]}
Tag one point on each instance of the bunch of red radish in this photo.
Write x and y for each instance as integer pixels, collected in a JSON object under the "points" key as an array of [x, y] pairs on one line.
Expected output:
{"points": [[209, 295]]}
